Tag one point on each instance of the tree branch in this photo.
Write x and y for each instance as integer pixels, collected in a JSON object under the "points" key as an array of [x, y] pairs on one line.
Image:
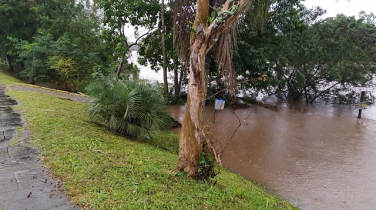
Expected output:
{"points": [[236, 129], [139, 38], [230, 11]]}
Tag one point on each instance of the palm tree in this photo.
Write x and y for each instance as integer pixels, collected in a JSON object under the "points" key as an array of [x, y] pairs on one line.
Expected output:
{"points": [[131, 108]]}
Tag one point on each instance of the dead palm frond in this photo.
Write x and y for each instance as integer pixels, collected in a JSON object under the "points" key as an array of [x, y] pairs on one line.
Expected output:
{"points": [[184, 15]]}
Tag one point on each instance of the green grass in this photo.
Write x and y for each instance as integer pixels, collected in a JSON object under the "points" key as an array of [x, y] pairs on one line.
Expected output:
{"points": [[5, 78], [102, 170]]}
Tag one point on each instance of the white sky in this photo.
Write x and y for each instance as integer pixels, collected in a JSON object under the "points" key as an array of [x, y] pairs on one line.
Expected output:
{"points": [[349, 8]]}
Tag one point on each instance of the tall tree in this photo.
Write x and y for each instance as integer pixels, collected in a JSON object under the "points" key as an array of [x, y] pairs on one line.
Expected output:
{"points": [[165, 82], [205, 33], [118, 15], [150, 52], [258, 42]]}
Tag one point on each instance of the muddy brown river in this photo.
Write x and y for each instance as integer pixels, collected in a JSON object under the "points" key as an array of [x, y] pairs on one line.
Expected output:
{"points": [[316, 156]]}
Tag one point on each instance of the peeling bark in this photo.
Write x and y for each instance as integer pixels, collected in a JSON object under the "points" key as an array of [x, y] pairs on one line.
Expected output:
{"points": [[192, 136]]}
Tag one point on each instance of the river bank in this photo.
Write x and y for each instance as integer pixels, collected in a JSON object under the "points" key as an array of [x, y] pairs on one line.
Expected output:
{"points": [[102, 170]]}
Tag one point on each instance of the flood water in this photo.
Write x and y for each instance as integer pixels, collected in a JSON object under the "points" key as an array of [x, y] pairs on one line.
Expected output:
{"points": [[316, 156]]}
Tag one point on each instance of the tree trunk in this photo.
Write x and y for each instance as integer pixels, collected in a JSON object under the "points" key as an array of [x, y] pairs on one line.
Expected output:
{"points": [[181, 79], [10, 63], [121, 64], [306, 94], [176, 81], [165, 86], [191, 136], [122, 60]]}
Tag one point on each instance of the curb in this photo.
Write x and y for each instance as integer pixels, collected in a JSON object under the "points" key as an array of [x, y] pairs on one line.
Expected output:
{"points": [[61, 91]]}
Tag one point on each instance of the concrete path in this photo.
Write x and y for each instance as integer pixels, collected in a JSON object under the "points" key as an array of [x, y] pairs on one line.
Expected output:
{"points": [[24, 183], [58, 93]]}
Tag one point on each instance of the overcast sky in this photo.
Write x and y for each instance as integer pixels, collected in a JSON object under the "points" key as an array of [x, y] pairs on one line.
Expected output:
{"points": [[349, 8], [332, 7]]}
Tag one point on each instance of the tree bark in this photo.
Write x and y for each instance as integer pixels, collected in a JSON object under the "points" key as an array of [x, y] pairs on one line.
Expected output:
{"points": [[10, 63], [165, 85], [182, 74], [192, 135], [176, 81]]}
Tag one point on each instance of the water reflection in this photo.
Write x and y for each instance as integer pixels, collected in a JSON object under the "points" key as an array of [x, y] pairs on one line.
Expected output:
{"points": [[317, 156]]}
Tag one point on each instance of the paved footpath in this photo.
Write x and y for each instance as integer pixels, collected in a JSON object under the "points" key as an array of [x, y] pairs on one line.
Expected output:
{"points": [[24, 183]]}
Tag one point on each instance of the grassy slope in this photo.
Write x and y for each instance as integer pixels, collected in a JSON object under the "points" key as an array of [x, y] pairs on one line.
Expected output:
{"points": [[102, 170]]}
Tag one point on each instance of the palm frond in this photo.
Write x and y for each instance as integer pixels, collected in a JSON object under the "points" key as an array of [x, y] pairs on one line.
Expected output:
{"points": [[224, 56], [128, 107]]}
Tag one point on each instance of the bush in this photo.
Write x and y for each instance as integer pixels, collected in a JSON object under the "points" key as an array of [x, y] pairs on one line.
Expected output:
{"points": [[175, 100], [131, 108]]}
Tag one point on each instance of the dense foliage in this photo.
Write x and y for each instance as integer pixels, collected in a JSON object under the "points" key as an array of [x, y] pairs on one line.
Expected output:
{"points": [[58, 42], [326, 58], [15, 21], [305, 57], [282, 48]]}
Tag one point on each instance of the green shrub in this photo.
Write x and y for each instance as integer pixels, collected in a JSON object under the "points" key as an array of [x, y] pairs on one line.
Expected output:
{"points": [[175, 100], [129, 107]]}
